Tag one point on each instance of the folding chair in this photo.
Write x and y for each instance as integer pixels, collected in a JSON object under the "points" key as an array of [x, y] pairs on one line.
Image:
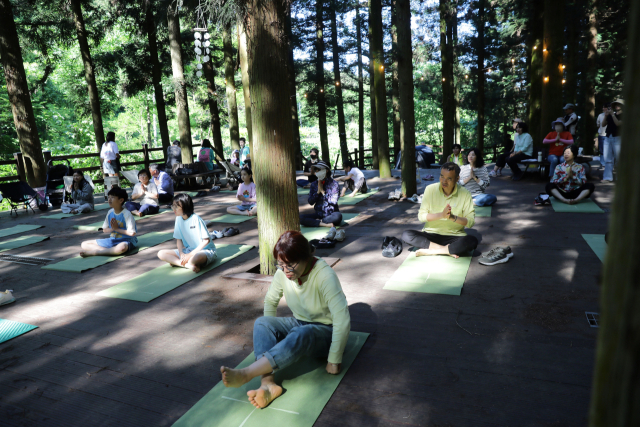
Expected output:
{"points": [[132, 176], [17, 193]]}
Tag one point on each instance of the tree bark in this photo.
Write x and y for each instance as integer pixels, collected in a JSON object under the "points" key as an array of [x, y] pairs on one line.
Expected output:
{"points": [[295, 120], [481, 74], [360, 88], [552, 52], [342, 129], [214, 111], [322, 106], [374, 124], [454, 66], [407, 112], [570, 85], [273, 136], [395, 97], [377, 53], [230, 83], [18, 91], [590, 79], [242, 51], [156, 76], [615, 398], [89, 74], [536, 77], [179, 85], [447, 84]]}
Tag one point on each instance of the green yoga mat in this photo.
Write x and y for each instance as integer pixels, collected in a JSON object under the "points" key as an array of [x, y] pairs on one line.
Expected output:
{"points": [[585, 206], [10, 329], [303, 191], [160, 280], [308, 389], [79, 264], [18, 229], [438, 274], [347, 200], [597, 244], [21, 241], [312, 233], [97, 226], [231, 219], [483, 211]]}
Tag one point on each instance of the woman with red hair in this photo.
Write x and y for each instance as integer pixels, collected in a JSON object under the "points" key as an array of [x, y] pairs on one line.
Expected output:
{"points": [[319, 327]]}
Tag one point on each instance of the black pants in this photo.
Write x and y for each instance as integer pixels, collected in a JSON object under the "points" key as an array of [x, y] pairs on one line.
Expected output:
{"points": [[513, 164], [313, 220], [165, 198], [572, 194], [458, 245]]}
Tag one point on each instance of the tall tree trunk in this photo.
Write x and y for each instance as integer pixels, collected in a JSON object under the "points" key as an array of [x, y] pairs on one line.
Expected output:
{"points": [[156, 76], [481, 74], [395, 97], [322, 107], [454, 78], [377, 52], [342, 129], [295, 120], [180, 86], [590, 79], [18, 91], [89, 75], [273, 136], [360, 88], [447, 84], [407, 113], [242, 51], [553, 44], [374, 120], [615, 397], [536, 77], [214, 111], [570, 85], [230, 82]]}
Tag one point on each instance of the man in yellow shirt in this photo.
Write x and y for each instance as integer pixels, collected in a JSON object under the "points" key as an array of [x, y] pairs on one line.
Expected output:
{"points": [[447, 209]]}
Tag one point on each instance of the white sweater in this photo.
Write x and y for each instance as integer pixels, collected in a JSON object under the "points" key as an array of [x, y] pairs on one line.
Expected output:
{"points": [[473, 186]]}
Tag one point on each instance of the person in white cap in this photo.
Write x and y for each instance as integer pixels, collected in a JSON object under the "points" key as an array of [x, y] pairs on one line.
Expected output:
{"points": [[611, 150], [570, 119]]}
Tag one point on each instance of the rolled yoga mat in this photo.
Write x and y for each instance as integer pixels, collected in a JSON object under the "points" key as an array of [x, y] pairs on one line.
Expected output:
{"points": [[308, 389], [585, 206], [10, 329], [231, 219], [79, 264], [434, 274], [483, 211], [312, 233], [597, 244], [18, 229], [348, 200], [160, 280], [97, 226], [20, 242]]}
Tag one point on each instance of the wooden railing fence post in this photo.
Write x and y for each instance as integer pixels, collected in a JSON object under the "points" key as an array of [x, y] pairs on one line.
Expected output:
{"points": [[145, 151], [20, 166]]}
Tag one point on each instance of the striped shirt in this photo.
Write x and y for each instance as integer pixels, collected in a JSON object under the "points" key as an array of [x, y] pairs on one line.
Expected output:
{"points": [[474, 187]]}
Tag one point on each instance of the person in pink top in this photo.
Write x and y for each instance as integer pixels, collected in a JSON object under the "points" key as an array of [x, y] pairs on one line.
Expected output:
{"points": [[246, 194]]}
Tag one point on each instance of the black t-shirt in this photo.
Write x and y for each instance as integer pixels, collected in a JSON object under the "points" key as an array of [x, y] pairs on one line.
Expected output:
{"points": [[612, 128], [307, 168]]}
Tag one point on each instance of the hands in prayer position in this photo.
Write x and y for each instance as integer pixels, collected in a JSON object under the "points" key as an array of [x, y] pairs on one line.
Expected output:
{"points": [[114, 225]]}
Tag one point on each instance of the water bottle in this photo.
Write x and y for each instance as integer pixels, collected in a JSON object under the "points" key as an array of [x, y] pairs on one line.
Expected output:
{"points": [[539, 156], [580, 150]]}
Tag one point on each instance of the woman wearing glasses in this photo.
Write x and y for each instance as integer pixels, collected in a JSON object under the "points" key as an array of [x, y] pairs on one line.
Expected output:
{"points": [[319, 327]]}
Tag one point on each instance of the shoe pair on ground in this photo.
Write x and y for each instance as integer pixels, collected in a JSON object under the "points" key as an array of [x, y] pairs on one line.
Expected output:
{"points": [[391, 247], [493, 173], [6, 297], [334, 234], [542, 199], [227, 232], [415, 199], [497, 255], [395, 194]]}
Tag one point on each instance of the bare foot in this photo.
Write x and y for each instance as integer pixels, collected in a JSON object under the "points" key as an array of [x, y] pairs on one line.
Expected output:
{"points": [[85, 254], [192, 267], [572, 202], [74, 212], [266, 394], [431, 252], [233, 378], [136, 213]]}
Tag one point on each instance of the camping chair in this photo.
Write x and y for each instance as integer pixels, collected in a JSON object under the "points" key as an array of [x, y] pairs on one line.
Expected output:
{"points": [[17, 193], [131, 176]]}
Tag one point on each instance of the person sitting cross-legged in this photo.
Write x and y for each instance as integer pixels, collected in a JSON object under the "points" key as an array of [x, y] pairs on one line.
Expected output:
{"points": [[323, 195], [163, 183], [475, 178], [81, 194], [447, 208], [354, 180], [569, 182], [145, 194], [119, 223], [319, 327], [246, 194]]}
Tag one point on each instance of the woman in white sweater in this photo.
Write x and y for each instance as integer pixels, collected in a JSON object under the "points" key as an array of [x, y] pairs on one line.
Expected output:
{"points": [[475, 178]]}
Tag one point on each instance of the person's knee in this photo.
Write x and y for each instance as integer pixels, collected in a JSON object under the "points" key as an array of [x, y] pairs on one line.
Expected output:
{"points": [[408, 236], [86, 244], [302, 336], [122, 247]]}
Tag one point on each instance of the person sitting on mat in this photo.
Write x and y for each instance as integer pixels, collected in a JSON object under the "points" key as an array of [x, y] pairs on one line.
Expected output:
{"points": [[81, 194], [163, 183], [313, 159], [119, 223], [146, 195], [354, 180], [558, 140], [569, 182], [475, 178], [323, 195], [246, 195], [319, 327], [456, 157], [446, 209], [195, 248]]}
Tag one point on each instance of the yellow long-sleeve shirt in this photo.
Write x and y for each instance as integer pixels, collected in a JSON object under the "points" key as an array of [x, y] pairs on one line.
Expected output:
{"points": [[318, 298], [434, 201]]}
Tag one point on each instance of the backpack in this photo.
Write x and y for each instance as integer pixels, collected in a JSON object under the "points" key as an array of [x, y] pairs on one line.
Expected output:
{"points": [[204, 155]]}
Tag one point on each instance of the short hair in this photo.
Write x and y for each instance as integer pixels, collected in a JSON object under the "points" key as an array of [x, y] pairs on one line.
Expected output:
{"points": [[479, 158], [316, 150], [111, 136], [450, 166], [154, 167], [347, 164], [573, 149], [176, 142], [457, 146], [243, 139], [118, 193], [292, 247], [247, 169], [144, 172], [607, 104], [206, 143], [186, 203], [523, 126]]}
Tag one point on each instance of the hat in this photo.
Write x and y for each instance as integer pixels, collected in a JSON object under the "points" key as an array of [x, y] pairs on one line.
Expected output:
{"points": [[517, 120], [618, 101], [321, 165], [558, 120], [566, 107]]}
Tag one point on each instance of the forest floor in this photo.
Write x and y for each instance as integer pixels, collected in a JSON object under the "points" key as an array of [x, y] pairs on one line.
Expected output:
{"points": [[514, 349]]}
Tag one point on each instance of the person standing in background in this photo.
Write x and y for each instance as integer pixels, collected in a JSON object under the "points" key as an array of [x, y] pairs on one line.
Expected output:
{"points": [[174, 156], [611, 150], [601, 121], [570, 119], [245, 153], [109, 155]]}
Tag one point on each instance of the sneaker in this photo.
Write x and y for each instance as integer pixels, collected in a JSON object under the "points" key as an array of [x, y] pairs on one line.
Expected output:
{"points": [[494, 257], [331, 234], [6, 297], [217, 234], [506, 249], [499, 173], [341, 235], [493, 173], [415, 199]]}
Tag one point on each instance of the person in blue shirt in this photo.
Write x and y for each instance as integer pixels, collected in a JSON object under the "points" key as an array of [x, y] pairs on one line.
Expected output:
{"points": [[195, 248], [245, 153], [120, 225], [163, 182]]}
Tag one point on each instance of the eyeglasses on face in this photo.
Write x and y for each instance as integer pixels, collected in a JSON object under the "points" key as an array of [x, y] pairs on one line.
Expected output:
{"points": [[289, 268]]}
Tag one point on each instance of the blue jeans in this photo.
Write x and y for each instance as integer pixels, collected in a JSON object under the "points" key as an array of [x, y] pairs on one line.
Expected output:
{"points": [[601, 144], [313, 220], [284, 340], [611, 153], [554, 161], [484, 199], [143, 209]]}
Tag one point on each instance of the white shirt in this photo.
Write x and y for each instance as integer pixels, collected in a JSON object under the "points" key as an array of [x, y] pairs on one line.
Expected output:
{"points": [[146, 198], [192, 232], [109, 150], [602, 125], [355, 174]]}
